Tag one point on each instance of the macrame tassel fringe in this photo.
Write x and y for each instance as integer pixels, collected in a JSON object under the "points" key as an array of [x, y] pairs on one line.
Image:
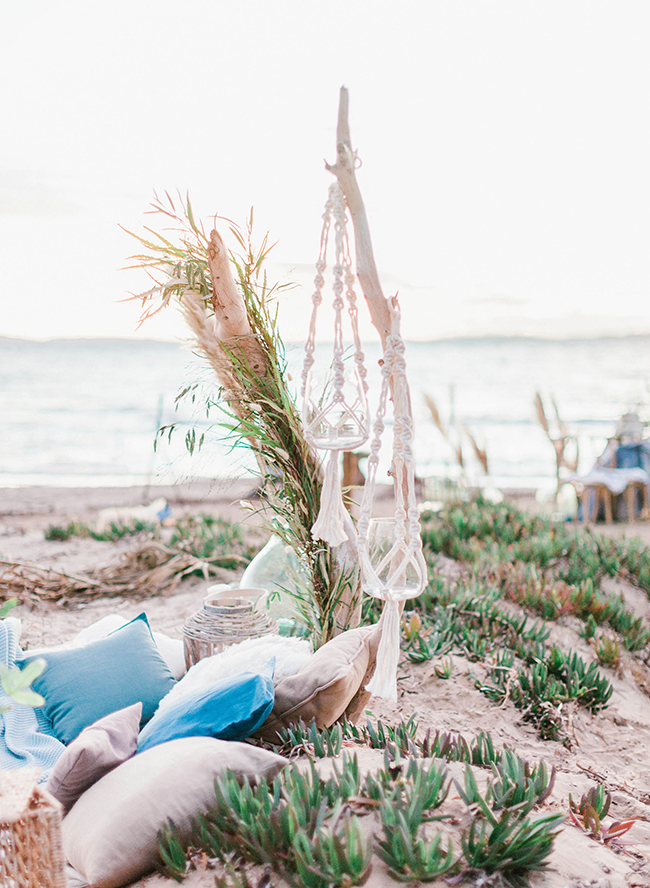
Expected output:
{"points": [[330, 524], [384, 681]]}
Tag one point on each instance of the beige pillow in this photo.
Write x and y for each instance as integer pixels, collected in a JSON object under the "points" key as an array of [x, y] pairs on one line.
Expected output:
{"points": [[360, 700], [111, 834], [324, 687], [99, 748]]}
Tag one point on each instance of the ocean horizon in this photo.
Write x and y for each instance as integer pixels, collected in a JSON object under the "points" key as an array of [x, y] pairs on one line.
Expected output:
{"points": [[85, 411]]}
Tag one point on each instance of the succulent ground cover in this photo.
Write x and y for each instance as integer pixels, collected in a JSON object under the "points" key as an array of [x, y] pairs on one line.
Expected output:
{"points": [[440, 807], [550, 571], [315, 831], [456, 709]]}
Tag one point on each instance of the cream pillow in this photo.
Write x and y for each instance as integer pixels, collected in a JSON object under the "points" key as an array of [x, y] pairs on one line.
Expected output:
{"points": [[111, 835], [290, 655]]}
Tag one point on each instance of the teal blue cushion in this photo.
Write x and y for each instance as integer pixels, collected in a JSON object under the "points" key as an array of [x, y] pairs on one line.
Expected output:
{"points": [[82, 685], [230, 709]]}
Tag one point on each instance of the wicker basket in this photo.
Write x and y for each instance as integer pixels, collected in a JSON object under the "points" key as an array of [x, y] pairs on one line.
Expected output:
{"points": [[31, 853], [228, 616]]}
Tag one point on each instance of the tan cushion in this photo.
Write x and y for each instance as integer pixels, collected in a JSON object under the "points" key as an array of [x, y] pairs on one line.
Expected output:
{"points": [[99, 748], [324, 687], [111, 835], [362, 697]]}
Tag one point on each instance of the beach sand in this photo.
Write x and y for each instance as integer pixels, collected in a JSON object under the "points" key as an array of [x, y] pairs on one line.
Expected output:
{"points": [[611, 748]]}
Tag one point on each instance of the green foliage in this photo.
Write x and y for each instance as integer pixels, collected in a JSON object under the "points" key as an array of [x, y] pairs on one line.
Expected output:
{"points": [[413, 858], [307, 828], [173, 852], [521, 667], [539, 687], [445, 668], [7, 606], [333, 855], [61, 533], [259, 408], [608, 651], [16, 683], [291, 824], [212, 539], [518, 787], [317, 743], [382, 736], [510, 845], [544, 566], [589, 628]]}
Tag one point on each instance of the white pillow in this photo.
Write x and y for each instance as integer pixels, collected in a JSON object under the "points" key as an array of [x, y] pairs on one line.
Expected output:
{"points": [[290, 654]]}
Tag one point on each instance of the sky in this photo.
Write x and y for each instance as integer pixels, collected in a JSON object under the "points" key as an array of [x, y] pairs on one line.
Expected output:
{"points": [[505, 148]]}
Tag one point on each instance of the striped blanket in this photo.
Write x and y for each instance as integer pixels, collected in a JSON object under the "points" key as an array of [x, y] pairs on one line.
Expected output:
{"points": [[23, 740]]}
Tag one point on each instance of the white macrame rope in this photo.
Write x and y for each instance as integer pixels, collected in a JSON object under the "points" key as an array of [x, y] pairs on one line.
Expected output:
{"points": [[403, 567], [317, 295], [406, 551], [329, 525], [336, 207]]}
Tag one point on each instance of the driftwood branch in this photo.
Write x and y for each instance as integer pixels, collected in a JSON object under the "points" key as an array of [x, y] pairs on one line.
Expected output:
{"points": [[233, 328], [344, 170]]}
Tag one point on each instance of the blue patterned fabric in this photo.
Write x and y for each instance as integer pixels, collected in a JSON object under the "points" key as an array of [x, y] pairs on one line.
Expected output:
{"points": [[23, 741]]}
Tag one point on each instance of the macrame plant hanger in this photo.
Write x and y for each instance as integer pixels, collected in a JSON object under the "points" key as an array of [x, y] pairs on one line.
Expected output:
{"points": [[399, 571], [335, 416]]}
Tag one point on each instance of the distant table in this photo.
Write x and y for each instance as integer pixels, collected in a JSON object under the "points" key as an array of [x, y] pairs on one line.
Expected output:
{"points": [[601, 486]]}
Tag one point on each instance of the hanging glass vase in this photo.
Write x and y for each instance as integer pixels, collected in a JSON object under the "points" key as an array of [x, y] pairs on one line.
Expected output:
{"points": [[335, 417]]}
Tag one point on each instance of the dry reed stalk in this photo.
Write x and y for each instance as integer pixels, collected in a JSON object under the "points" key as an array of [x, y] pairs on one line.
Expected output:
{"points": [[435, 415], [453, 441], [558, 437], [479, 452]]}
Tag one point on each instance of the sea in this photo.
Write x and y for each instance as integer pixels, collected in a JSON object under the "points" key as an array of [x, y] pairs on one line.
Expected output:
{"points": [[86, 412]]}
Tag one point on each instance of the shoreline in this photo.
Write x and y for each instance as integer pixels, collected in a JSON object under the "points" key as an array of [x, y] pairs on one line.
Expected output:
{"points": [[21, 503], [23, 508]]}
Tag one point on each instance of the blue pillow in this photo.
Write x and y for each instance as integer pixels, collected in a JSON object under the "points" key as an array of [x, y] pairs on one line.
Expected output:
{"points": [[231, 709], [84, 684]]}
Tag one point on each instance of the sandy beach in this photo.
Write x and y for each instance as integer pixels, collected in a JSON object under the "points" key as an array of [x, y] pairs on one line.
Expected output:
{"points": [[609, 749]]}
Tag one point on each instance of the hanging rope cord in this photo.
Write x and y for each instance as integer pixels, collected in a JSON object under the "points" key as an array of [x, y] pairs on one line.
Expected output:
{"points": [[403, 567], [406, 552], [336, 207], [332, 517]]}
